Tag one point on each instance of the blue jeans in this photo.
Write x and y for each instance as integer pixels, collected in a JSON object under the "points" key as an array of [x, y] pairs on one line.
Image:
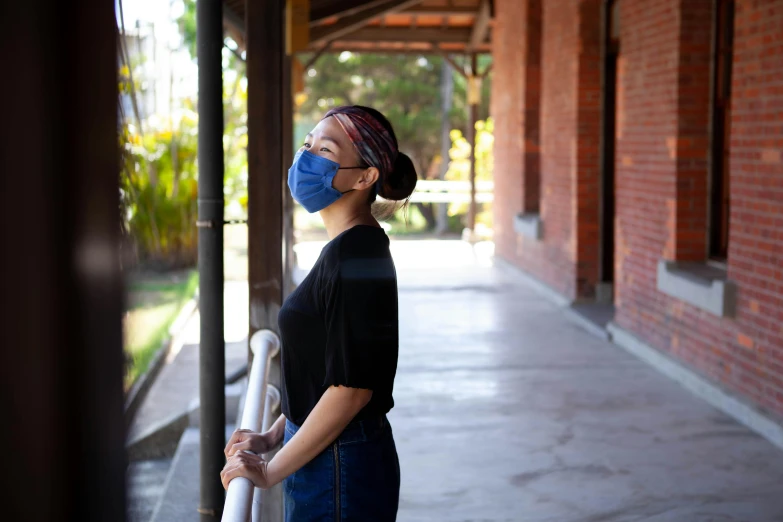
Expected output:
{"points": [[355, 479]]}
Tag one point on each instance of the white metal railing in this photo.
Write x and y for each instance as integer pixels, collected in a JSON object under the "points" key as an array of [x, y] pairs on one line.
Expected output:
{"points": [[441, 191], [242, 498]]}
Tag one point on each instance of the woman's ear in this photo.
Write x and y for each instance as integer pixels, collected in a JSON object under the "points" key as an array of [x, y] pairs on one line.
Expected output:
{"points": [[367, 178]]}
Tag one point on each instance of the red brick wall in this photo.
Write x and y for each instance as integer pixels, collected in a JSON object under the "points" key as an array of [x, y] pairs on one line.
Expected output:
{"points": [[662, 172], [515, 108], [688, 238], [506, 106], [756, 221], [662, 165], [645, 160], [566, 258]]}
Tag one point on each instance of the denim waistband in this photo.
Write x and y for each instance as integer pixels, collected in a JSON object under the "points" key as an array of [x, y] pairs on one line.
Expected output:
{"points": [[355, 431]]}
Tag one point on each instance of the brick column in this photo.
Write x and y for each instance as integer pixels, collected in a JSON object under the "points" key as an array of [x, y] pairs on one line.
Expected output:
{"points": [[662, 142], [516, 91], [687, 210]]}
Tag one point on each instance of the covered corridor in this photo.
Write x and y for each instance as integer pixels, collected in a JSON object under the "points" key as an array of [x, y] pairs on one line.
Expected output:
{"points": [[506, 410]]}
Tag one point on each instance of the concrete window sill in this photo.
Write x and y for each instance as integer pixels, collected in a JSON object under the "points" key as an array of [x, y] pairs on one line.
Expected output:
{"points": [[699, 284], [529, 225]]}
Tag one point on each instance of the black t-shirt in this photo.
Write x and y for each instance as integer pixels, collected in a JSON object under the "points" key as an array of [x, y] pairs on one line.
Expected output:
{"points": [[340, 325]]}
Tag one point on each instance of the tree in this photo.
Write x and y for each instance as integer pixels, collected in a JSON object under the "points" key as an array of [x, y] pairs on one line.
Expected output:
{"points": [[187, 26], [159, 169], [405, 88]]}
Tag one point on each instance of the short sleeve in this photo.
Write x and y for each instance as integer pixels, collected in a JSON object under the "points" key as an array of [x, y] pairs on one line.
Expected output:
{"points": [[361, 323]]}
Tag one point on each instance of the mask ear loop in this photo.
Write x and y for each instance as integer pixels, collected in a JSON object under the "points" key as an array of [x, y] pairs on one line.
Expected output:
{"points": [[350, 168]]}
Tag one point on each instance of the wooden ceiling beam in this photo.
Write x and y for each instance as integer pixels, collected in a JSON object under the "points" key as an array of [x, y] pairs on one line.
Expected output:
{"points": [[232, 20], [323, 34], [423, 10], [404, 50], [350, 7], [454, 65], [340, 9], [480, 26], [407, 35]]}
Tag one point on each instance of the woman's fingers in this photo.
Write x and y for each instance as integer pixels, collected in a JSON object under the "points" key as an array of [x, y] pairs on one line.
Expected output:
{"points": [[237, 436], [228, 473], [233, 468], [239, 446], [242, 464]]}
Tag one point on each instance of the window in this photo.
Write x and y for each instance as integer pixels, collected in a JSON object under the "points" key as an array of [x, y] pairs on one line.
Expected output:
{"points": [[721, 101]]}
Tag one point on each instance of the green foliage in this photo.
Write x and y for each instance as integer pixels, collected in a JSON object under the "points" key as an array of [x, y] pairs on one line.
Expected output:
{"points": [[154, 308], [405, 88], [407, 221], [459, 166], [159, 184], [187, 26], [235, 139], [160, 191]]}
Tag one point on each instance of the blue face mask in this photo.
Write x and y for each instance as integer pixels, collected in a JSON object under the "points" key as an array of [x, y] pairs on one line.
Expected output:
{"points": [[310, 181]]}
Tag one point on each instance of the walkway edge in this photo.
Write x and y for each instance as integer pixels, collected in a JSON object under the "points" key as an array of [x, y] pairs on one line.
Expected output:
{"points": [[587, 325], [141, 387], [539, 286], [698, 385]]}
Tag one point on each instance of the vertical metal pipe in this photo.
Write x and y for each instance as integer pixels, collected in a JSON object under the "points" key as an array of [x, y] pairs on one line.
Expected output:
{"points": [[447, 95], [209, 38], [472, 119]]}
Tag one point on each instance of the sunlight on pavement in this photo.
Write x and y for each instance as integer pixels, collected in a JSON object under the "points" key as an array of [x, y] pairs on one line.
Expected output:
{"points": [[409, 256], [416, 254]]}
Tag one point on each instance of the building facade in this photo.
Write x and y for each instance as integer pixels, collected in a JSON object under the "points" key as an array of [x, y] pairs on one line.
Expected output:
{"points": [[639, 164]]}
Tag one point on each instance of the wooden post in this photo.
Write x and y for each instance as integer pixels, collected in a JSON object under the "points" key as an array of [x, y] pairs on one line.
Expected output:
{"points": [[264, 29], [264, 20], [61, 364], [289, 258]]}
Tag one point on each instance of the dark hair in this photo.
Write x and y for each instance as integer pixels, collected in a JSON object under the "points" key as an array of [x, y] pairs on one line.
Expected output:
{"points": [[398, 184]]}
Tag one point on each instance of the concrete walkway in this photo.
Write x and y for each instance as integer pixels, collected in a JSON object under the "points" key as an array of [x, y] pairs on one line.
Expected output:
{"points": [[177, 385], [507, 411]]}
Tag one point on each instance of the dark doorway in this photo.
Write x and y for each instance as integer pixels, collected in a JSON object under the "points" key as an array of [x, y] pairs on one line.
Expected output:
{"points": [[596, 316], [721, 105], [611, 45]]}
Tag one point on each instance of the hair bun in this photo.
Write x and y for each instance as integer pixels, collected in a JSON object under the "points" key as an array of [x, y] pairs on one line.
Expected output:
{"points": [[401, 181]]}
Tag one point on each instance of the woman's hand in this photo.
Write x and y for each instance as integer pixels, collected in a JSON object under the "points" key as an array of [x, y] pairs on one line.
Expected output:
{"points": [[247, 465], [251, 441]]}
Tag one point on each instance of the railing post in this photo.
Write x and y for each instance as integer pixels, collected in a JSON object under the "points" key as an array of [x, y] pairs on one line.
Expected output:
{"points": [[261, 399], [270, 405]]}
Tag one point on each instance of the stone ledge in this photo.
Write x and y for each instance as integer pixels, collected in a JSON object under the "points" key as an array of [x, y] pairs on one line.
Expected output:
{"points": [[725, 401], [699, 284], [529, 225]]}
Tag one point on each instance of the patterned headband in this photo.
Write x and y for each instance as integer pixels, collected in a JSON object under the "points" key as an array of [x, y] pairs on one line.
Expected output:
{"points": [[374, 143]]}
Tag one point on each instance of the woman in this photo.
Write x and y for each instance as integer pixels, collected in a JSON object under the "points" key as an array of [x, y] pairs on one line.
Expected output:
{"points": [[339, 335]]}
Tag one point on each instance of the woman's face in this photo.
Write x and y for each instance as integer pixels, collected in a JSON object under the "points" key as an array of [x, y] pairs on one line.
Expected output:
{"points": [[329, 140]]}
